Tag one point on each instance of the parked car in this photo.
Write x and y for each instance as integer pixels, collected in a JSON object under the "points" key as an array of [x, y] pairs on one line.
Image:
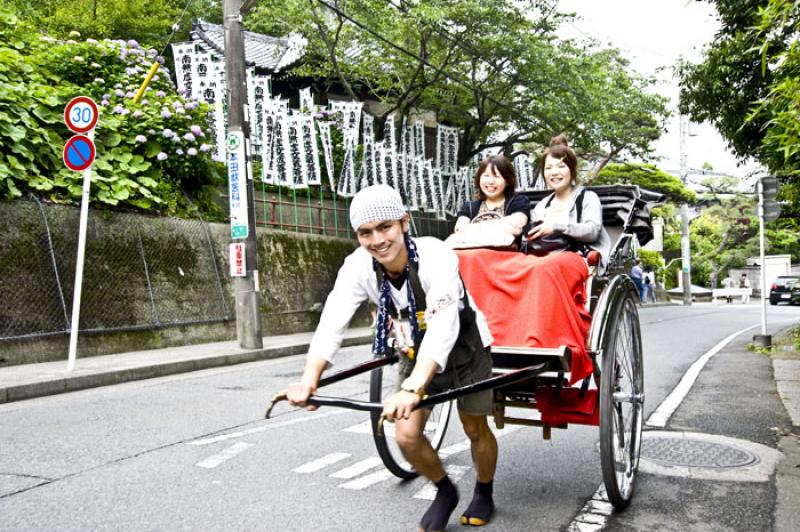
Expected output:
{"points": [[785, 289]]}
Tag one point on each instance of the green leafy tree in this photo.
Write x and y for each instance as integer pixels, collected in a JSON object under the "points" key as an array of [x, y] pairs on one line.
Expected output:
{"points": [[148, 154], [456, 58], [146, 22], [648, 177], [747, 86]]}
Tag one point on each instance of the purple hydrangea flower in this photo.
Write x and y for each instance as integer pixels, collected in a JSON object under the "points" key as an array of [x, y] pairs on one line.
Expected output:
{"points": [[176, 104], [91, 41], [137, 113], [145, 102], [161, 156], [176, 139], [205, 147], [179, 151], [99, 81], [130, 94], [119, 109], [133, 44], [168, 133], [195, 129], [192, 152], [141, 138], [182, 91], [189, 106], [151, 131], [165, 113], [160, 94], [106, 97], [190, 137], [119, 92]]}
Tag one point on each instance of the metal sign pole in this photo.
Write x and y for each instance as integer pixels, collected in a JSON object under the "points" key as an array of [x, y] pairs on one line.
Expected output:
{"points": [[76, 294], [762, 253]]}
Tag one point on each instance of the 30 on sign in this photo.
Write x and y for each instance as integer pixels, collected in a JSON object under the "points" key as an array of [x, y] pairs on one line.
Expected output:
{"points": [[81, 114]]}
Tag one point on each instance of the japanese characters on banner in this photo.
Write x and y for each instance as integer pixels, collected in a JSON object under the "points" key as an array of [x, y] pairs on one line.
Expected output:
{"points": [[350, 122], [327, 150], [526, 177], [294, 144], [447, 149]]}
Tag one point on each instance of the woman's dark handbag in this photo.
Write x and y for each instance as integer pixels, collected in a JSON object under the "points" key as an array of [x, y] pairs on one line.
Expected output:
{"points": [[552, 243]]}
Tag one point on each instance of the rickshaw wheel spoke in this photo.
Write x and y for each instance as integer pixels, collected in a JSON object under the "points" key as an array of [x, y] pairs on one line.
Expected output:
{"points": [[621, 399]]}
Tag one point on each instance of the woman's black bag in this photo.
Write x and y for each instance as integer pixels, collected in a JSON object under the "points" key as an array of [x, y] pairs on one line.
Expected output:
{"points": [[553, 242]]}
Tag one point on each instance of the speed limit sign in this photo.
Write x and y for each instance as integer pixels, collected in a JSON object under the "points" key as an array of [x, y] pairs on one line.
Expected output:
{"points": [[80, 114]]}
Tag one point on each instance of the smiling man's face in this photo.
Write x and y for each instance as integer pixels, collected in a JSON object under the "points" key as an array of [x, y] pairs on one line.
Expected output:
{"points": [[384, 241]]}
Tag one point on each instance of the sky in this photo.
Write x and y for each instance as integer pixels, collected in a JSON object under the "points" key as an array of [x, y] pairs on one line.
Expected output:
{"points": [[653, 35]]}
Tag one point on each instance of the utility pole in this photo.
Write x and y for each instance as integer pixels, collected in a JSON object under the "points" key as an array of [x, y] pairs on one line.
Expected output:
{"points": [[686, 268], [240, 178]]}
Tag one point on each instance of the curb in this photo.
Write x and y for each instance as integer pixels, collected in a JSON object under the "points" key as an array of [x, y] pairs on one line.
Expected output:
{"points": [[74, 383]]}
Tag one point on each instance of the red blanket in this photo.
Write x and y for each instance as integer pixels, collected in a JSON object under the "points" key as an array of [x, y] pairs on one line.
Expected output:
{"points": [[532, 301]]}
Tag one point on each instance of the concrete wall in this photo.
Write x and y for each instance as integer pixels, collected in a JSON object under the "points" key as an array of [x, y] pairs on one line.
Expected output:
{"points": [[149, 282]]}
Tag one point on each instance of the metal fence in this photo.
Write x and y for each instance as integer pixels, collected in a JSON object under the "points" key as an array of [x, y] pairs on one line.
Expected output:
{"points": [[304, 211], [140, 272]]}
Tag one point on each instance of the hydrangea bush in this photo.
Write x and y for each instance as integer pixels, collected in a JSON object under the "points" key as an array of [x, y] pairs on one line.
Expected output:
{"points": [[148, 154]]}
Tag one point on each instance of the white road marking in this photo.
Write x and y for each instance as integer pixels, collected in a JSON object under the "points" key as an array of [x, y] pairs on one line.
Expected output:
{"points": [[321, 463], [220, 458], [358, 468], [593, 516], [269, 426], [661, 416], [428, 491], [368, 480]]}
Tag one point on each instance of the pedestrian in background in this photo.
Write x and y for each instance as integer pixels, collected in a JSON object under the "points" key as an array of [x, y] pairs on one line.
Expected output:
{"points": [[649, 279], [637, 275]]}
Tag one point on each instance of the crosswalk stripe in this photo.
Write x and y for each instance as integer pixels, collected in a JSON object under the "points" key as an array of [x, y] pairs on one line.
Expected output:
{"points": [[358, 468], [319, 463], [269, 426], [428, 491], [368, 480], [217, 459]]}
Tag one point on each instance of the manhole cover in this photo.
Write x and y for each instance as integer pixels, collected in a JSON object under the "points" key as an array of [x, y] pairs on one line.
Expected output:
{"points": [[695, 453]]}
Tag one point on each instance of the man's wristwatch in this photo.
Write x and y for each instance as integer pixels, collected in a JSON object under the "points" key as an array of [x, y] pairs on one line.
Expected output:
{"points": [[419, 391]]}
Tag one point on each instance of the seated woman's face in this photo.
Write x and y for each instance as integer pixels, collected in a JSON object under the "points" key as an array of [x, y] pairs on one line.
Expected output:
{"points": [[556, 174], [492, 183]]}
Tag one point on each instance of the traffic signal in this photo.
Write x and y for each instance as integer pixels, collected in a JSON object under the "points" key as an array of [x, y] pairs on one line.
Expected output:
{"points": [[769, 190]]}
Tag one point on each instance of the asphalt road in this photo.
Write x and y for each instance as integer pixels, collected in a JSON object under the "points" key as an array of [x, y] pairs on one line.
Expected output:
{"points": [[192, 452]]}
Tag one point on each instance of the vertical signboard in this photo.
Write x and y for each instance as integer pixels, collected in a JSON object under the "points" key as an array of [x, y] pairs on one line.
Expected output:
{"points": [[237, 184], [237, 259]]}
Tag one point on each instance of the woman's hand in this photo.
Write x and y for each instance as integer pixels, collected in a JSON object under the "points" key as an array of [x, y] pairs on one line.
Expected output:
{"points": [[540, 230]]}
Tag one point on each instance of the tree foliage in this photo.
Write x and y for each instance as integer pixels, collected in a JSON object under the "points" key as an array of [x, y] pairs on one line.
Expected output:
{"points": [[148, 154], [648, 177], [456, 57], [146, 22], [748, 84]]}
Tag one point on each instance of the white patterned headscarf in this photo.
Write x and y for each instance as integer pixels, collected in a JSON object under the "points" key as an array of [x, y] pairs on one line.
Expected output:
{"points": [[376, 204]]}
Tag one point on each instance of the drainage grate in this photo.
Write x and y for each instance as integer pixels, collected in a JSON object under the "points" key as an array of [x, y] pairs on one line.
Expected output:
{"points": [[679, 451]]}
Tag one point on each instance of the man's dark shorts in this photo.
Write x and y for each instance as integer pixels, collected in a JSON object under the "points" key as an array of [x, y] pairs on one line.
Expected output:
{"points": [[476, 404]]}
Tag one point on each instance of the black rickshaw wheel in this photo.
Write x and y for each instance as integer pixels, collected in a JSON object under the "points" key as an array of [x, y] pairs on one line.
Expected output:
{"points": [[621, 401], [435, 428]]}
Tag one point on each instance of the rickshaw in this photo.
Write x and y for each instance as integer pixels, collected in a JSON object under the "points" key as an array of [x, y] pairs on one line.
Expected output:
{"points": [[535, 378]]}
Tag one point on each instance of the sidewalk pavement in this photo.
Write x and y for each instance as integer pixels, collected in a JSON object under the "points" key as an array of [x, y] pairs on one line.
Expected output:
{"points": [[27, 381]]}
